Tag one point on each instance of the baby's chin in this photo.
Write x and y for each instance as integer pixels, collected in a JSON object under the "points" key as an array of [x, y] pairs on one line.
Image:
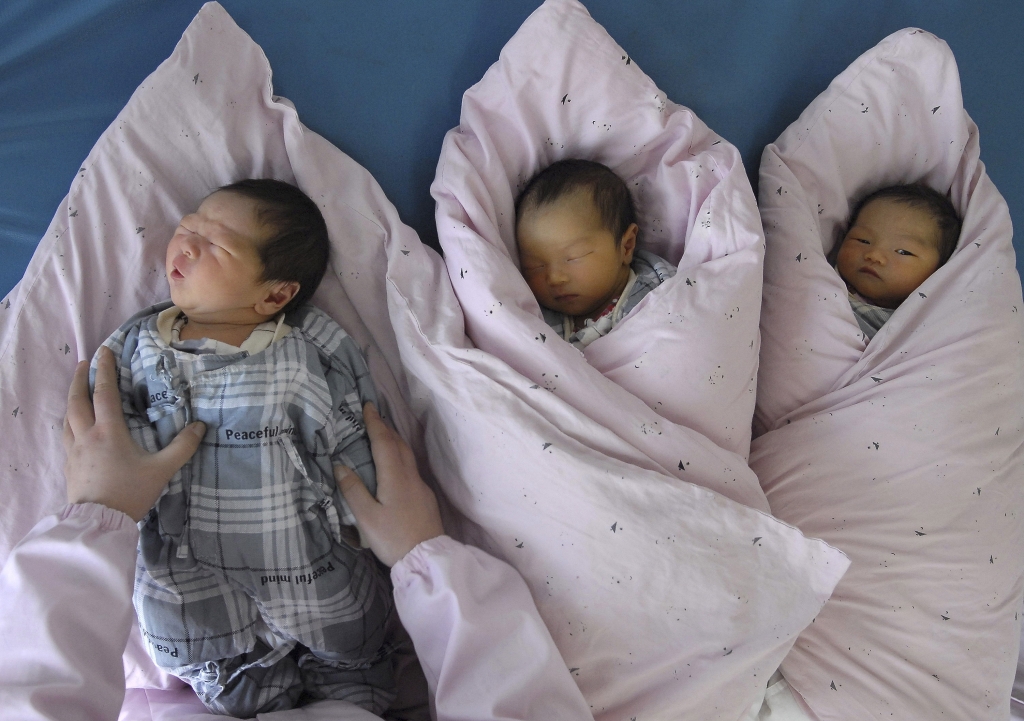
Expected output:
{"points": [[882, 301], [871, 295], [574, 310]]}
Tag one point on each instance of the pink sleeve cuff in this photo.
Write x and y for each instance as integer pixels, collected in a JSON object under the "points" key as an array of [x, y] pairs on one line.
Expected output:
{"points": [[417, 562], [104, 518]]}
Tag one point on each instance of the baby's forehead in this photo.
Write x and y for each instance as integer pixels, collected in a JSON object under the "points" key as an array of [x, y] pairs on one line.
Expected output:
{"points": [[899, 206], [549, 239], [577, 208], [227, 199], [234, 213], [909, 215]]}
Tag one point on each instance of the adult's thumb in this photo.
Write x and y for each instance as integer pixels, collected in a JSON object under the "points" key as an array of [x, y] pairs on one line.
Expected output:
{"points": [[182, 448], [353, 491]]}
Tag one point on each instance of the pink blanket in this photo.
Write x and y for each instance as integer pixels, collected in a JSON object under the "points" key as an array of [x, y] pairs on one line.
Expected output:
{"points": [[615, 481], [904, 452]]}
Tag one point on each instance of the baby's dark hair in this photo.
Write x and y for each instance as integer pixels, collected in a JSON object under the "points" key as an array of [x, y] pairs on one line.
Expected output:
{"points": [[298, 248], [917, 195], [565, 177]]}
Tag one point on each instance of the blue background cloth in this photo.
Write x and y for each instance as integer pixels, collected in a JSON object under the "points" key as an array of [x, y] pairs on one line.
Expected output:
{"points": [[383, 80]]}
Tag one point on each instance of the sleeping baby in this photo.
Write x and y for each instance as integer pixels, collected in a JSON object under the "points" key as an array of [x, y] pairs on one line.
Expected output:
{"points": [[577, 234], [898, 236], [250, 585]]}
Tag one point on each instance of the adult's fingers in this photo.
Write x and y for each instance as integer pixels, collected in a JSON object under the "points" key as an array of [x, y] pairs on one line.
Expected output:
{"points": [[176, 453], [354, 492], [375, 427], [106, 398], [382, 434], [79, 414], [391, 454]]}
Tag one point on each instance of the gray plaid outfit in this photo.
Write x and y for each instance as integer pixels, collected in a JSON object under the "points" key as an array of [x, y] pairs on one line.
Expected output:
{"points": [[870, 317], [248, 585]]}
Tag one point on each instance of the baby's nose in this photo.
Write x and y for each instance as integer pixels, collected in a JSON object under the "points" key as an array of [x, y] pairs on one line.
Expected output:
{"points": [[557, 276], [875, 255], [189, 248]]}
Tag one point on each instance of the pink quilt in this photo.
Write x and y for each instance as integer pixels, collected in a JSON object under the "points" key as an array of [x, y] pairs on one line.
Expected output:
{"points": [[904, 452], [615, 481]]}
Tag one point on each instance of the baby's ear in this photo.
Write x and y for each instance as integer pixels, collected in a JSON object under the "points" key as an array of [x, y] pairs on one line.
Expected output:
{"points": [[628, 242], [277, 297]]}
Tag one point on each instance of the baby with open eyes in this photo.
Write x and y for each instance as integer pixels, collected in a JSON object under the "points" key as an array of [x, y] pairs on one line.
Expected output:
{"points": [[898, 236], [577, 235], [251, 584]]}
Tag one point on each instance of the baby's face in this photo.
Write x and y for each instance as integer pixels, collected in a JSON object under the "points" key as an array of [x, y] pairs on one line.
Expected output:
{"points": [[213, 266], [890, 249], [569, 259]]}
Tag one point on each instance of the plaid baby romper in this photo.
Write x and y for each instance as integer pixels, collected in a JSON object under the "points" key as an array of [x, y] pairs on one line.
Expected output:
{"points": [[248, 586]]}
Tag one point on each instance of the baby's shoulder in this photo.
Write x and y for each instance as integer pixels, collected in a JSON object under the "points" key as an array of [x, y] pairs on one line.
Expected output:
{"points": [[124, 341], [651, 268], [317, 328], [337, 349]]}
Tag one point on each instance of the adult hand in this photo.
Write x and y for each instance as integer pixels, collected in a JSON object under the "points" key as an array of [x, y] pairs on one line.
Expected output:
{"points": [[405, 512], [104, 464]]}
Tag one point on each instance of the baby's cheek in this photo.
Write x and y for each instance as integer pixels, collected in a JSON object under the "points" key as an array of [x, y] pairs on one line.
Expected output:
{"points": [[535, 284], [919, 276], [844, 260]]}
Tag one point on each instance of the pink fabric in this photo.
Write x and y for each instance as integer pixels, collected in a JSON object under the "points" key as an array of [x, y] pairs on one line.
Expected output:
{"points": [[904, 453], [667, 592], [88, 552], [447, 594], [463, 607]]}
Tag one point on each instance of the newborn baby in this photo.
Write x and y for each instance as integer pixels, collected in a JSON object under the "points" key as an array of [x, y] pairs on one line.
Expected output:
{"points": [[898, 236], [250, 585], [577, 234]]}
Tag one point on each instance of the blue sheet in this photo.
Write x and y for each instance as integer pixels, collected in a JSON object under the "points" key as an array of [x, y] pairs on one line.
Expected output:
{"points": [[383, 80]]}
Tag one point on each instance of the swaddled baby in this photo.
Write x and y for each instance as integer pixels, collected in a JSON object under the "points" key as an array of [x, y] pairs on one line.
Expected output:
{"points": [[898, 236], [249, 584], [577, 234]]}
